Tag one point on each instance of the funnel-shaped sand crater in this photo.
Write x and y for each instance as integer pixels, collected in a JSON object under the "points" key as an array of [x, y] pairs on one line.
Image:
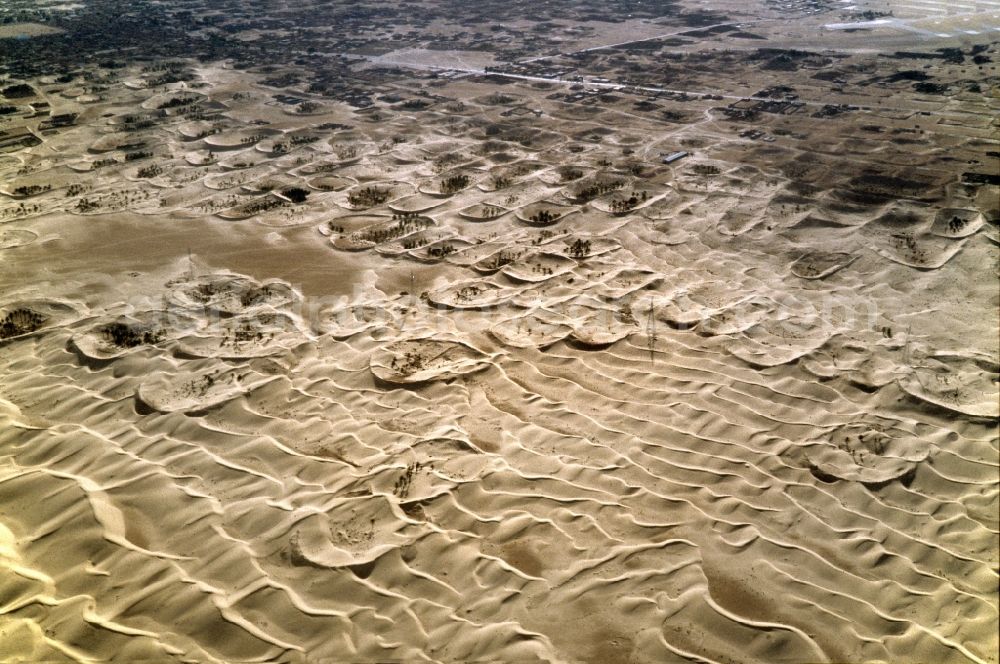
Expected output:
{"points": [[23, 318], [11, 238], [238, 139], [448, 184], [924, 251], [544, 213], [666, 206], [781, 339], [439, 250], [225, 294], [115, 337], [538, 266], [260, 334], [331, 182], [871, 453], [435, 240], [503, 176], [957, 222], [497, 259], [173, 99], [352, 537], [963, 383], [616, 283], [471, 294], [562, 176], [820, 264], [418, 203], [536, 329], [238, 178], [593, 187], [738, 317], [194, 391], [416, 361], [373, 194], [385, 230], [627, 199], [482, 212]]}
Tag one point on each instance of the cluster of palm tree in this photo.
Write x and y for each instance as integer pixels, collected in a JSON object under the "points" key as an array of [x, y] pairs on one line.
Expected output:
{"points": [[404, 226], [544, 217], [150, 171], [455, 183], [579, 248], [598, 189], [20, 321], [621, 206], [368, 197], [130, 336]]}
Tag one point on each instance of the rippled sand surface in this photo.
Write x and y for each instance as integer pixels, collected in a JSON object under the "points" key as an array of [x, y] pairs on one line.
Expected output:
{"points": [[733, 424]]}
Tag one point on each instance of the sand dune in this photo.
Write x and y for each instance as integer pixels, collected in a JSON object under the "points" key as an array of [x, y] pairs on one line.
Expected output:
{"points": [[514, 415]]}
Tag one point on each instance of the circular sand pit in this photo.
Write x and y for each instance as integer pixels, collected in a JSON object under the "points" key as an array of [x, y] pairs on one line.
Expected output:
{"points": [[439, 250], [241, 160], [118, 141], [259, 334], [16, 237], [229, 294], [538, 267], [737, 221], [820, 264], [602, 329], [957, 222], [963, 383], [581, 246], [772, 342], [482, 212], [530, 331], [237, 178], [472, 294], [365, 196], [199, 158], [415, 204], [386, 230], [502, 177], [118, 336], [923, 251], [624, 281], [737, 318], [544, 213], [447, 184], [627, 200], [476, 253], [252, 208], [23, 318], [196, 129], [331, 182], [417, 361], [196, 391], [238, 139], [873, 454], [565, 175], [432, 237], [175, 99], [498, 259], [595, 186], [667, 206]]}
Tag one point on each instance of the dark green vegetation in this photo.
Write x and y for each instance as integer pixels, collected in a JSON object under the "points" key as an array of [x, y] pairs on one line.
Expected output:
{"points": [[20, 321], [130, 336]]}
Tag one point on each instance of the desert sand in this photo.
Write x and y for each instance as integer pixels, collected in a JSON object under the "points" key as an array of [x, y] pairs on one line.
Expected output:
{"points": [[472, 375]]}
